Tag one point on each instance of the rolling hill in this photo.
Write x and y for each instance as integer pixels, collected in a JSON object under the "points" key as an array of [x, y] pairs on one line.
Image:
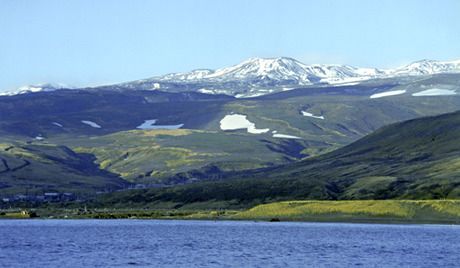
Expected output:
{"points": [[133, 134], [415, 159]]}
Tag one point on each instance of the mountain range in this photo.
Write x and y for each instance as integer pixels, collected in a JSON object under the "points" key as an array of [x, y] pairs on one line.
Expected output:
{"points": [[168, 131], [261, 76]]}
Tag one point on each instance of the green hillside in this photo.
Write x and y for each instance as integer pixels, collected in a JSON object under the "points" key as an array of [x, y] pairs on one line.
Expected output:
{"points": [[157, 156], [203, 151], [416, 159], [440, 211], [206, 150]]}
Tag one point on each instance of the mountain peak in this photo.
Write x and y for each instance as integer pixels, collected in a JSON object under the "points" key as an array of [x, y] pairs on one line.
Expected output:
{"points": [[35, 88], [284, 70], [274, 68], [259, 76], [258, 60], [426, 67]]}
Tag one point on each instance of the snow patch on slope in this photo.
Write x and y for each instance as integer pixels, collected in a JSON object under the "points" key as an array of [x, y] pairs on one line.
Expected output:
{"points": [[285, 136], [435, 92], [305, 113], [90, 123], [387, 94], [150, 124], [206, 91], [240, 121]]}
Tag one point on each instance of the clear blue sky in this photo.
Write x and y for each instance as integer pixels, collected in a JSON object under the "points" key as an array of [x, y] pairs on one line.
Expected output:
{"points": [[88, 42]]}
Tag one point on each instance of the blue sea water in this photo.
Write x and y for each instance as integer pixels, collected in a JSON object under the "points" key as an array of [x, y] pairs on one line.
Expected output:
{"points": [[157, 243]]}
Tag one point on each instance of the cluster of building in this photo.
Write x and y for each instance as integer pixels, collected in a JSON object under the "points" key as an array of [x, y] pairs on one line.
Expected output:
{"points": [[45, 197], [66, 196]]}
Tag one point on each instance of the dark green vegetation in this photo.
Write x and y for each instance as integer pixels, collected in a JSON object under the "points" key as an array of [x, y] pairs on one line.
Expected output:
{"points": [[104, 213], [30, 115], [416, 159], [111, 156], [31, 169]]}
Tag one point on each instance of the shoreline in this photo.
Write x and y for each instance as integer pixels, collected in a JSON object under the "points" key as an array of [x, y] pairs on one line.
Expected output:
{"points": [[370, 222], [357, 211]]}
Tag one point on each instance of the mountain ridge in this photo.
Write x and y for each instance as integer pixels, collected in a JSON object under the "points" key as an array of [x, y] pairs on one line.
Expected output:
{"points": [[262, 76]]}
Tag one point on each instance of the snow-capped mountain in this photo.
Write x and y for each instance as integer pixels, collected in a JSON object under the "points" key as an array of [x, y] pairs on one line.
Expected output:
{"points": [[34, 88], [283, 70], [426, 67], [261, 76], [255, 77]]}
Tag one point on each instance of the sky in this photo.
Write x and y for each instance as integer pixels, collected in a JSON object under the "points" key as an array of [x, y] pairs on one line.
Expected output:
{"points": [[88, 43]]}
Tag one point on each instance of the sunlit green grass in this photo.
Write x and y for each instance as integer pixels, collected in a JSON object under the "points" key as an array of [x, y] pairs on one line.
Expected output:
{"points": [[155, 155], [399, 209]]}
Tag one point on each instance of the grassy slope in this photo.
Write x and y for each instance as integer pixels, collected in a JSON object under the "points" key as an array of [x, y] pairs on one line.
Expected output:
{"points": [[416, 159], [447, 211], [154, 156]]}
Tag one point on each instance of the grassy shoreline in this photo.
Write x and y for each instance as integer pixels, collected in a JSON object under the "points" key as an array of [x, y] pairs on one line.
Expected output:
{"points": [[372, 211], [359, 211]]}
